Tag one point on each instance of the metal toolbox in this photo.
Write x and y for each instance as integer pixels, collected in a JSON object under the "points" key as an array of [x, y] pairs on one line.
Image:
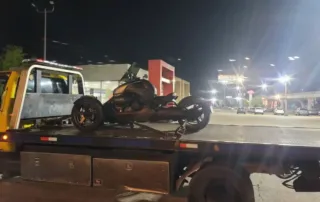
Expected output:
{"points": [[54, 167], [135, 175]]}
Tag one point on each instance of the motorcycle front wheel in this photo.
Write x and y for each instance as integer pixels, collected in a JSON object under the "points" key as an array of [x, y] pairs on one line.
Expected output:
{"points": [[196, 123], [87, 114]]}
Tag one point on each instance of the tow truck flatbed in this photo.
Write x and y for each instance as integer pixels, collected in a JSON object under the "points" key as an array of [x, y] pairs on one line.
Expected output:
{"points": [[150, 160], [252, 140]]}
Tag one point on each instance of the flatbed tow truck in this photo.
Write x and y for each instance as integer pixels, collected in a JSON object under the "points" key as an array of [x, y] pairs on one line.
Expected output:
{"points": [[218, 160]]}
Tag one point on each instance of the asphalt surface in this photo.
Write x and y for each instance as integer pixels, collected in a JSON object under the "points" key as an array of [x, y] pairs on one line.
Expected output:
{"points": [[267, 187]]}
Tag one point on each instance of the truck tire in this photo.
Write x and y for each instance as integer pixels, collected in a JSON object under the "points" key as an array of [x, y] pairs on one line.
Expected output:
{"points": [[218, 183]]}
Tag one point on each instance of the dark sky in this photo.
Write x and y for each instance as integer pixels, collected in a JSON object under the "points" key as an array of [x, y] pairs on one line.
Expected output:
{"points": [[204, 34]]}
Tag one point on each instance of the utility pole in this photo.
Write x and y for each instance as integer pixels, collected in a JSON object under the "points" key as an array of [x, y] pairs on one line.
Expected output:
{"points": [[45, 11]]}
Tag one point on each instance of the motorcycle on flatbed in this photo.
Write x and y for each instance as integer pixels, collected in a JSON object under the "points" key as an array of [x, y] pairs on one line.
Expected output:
{"points": [[135, 101]]}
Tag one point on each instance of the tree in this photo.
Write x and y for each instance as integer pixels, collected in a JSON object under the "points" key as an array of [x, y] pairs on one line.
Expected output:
{"points": [[257, 101], [11, 56]]}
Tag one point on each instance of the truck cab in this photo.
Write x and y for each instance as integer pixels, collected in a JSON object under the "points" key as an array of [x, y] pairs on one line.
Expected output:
{"points": [[38, 92]]}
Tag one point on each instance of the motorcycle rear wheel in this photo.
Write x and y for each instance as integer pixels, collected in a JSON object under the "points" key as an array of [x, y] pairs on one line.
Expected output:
{"points": [[198, 124], [91, 110]]}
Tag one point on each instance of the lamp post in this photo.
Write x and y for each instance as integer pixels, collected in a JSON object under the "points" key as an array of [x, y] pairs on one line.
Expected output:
{"points": [[45, 11], [285, 79]]}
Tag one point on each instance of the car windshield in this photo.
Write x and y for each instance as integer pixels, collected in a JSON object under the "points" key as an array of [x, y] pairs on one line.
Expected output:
{"points": [[3, 82]]}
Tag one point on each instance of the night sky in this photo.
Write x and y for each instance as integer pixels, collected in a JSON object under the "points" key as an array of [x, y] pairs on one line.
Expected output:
{"points": [[204, 34]]}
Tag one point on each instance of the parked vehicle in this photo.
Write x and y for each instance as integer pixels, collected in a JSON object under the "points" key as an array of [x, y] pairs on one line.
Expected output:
{"points": [[313, 112], [241, 110], [258, 110], [135, 101], [251, 110], [278, 111], [302, 112]]}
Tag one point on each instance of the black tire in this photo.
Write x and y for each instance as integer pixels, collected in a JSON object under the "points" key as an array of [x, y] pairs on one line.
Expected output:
{"points": [[188, 101], [210, 181], [95, 105]]}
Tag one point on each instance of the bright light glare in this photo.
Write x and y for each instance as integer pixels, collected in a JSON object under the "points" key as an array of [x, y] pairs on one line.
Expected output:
{"points": [[219, 70], [238, 87], [245, 67], [285, 79], [277, 96], [246, 58], [240, 79], [225, 82], [232, 60], [238, 98], [213, 100], [214, 91], [291, 58], [272, 65], [296, 57], [264, 86]]}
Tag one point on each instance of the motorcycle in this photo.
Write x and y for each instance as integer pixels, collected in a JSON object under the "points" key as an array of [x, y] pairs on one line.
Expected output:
{"points": [[135, 101]]}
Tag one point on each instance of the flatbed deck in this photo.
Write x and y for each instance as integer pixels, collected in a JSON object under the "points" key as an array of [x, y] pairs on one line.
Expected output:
{"points": [[257, 140]]}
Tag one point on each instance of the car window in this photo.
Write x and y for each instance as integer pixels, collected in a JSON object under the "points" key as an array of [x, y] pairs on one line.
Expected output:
{"points": [[49, 85]]}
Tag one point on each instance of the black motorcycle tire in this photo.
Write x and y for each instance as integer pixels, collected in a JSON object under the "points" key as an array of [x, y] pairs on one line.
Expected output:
{"points": [[99, 116], [206, 110]]}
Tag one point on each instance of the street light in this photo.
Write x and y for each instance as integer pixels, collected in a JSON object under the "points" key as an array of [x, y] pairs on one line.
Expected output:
{"points": [[214, 91], [219, 70], [232, 60], [264, 86], [285, 80], [45, 12], [246, 58], [240, 79], [293, 58], [272, 65]]}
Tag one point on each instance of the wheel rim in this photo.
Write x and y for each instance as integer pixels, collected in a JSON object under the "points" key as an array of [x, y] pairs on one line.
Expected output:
{"points": [[196, 120], [85, 115]]}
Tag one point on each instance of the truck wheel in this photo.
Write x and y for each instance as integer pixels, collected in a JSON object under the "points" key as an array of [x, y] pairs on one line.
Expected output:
{"points": [[220, 184]]}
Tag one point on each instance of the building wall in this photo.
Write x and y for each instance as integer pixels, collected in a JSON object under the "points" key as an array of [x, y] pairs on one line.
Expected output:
{"points": [[182, 88], [101, 80]]}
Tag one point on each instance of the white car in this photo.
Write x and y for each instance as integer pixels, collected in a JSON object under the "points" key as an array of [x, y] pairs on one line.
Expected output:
{"points": [[258, 110], [278, 112]]}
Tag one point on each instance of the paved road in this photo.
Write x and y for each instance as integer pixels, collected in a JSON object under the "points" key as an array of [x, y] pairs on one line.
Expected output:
{"points": [[267, 188], [231, 118]]}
